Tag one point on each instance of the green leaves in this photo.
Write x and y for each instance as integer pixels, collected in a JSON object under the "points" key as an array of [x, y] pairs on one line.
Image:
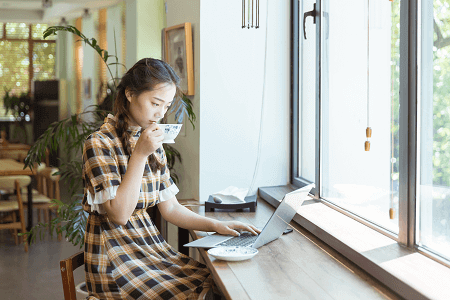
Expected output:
{"points": [[69, 135], [53, 30], [172, 155], [183, 106], [71, 220]]}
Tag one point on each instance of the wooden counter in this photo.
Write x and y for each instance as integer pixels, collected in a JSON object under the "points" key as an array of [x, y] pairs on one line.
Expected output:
{"points": [[296, 266]]}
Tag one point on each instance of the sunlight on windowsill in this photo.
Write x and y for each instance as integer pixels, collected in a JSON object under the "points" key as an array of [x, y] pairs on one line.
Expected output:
{"points": [[406, 271]]}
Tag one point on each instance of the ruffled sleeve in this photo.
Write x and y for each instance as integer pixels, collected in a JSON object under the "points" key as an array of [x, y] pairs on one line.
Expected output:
{"points": [[100, 172], [167, 188]]}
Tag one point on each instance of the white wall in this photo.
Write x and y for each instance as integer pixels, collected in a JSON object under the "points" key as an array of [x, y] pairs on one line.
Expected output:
{"points": [[228, 101], [144, 22], [188, 144], [114, 32]]}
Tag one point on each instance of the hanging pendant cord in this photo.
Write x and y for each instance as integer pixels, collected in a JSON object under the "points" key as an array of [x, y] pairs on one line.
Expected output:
{"points": [[368, 129], [391, 204], [368, 52]]}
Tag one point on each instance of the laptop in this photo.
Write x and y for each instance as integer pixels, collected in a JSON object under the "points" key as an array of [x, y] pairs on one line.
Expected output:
{"points": [[273, 229]]}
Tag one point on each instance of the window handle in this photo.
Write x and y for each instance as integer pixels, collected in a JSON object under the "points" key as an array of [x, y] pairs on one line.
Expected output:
{"points": [[311, 13]]}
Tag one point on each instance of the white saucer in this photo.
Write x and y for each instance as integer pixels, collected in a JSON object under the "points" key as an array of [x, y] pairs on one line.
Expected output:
{"points": [[233, 253], [169, 142]]}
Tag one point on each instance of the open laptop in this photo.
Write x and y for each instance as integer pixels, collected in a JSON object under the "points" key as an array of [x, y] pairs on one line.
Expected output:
{"points": [[273, 229]]}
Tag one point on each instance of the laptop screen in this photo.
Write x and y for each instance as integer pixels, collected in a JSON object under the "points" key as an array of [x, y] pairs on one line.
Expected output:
{"points": [[282, 216]]}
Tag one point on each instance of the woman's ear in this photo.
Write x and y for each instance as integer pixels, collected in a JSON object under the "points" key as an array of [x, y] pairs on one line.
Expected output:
{"points": [[128, 94]]}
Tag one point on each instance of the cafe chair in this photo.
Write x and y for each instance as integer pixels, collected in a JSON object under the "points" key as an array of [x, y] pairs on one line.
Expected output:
{"points": [[67, 266], [16, 154], [47, 189], [12, 207]]}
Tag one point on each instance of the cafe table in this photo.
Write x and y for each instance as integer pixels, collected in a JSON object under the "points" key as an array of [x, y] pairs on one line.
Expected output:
{"points": [[11, 167], [14, 146]]}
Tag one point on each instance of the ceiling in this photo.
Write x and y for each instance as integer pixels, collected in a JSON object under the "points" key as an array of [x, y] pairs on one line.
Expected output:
{"points": [[32, 11]]}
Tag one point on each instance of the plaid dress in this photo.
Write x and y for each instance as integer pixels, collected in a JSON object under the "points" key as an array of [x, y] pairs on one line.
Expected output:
{"points": [[131, 261]]}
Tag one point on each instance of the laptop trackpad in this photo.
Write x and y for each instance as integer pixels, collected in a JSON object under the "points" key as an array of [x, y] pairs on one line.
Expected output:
{"points": [[208, 241]]}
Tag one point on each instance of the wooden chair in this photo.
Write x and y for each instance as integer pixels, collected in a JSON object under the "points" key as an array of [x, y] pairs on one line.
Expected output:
{"points": [[16, 154], [48, 185], [67, 266], [11, 207], [47, 189]]}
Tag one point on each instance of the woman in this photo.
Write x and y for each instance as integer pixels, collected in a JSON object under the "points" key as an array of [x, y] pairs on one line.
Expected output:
{"points": [[125, 172]]}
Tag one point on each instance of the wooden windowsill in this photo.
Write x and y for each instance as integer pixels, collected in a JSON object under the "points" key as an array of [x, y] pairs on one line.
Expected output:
{"points": [[407, 272], [295, 266]]}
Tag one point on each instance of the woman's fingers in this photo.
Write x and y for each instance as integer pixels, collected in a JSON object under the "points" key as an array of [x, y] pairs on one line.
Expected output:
{"points": [[150, 140], [255, 230], [252, 229], [154, 130], [247, 227], [234, 232]]}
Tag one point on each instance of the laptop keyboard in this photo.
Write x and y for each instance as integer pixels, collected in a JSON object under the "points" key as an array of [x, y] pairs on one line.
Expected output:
{"points": [[244, 240]]}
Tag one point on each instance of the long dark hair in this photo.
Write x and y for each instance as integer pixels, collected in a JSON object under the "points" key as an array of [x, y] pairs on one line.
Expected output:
{"points": [[143, 76]]}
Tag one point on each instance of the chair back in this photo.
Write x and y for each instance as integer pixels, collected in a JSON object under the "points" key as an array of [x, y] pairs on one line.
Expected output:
{"points": [[67, 266], [16, 183], [48, 184]]}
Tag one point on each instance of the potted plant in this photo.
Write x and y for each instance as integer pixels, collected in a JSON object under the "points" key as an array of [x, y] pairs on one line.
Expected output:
{"points": [[70, 133]]}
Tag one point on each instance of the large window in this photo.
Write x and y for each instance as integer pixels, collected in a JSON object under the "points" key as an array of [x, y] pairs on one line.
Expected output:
{"points": [[24, 57], [433, 172], [349, 68]]}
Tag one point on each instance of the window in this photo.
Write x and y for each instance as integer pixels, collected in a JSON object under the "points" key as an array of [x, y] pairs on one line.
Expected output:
{"points": [[433, 172], [24, 57], [349, 79]]}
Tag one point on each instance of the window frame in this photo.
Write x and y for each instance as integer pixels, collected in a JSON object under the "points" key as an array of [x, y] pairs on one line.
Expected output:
{"points": [[408, 118], [31, 41]]}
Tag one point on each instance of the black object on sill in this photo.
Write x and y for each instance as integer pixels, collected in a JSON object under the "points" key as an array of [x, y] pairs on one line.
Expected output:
{"points": [[250, 202]]}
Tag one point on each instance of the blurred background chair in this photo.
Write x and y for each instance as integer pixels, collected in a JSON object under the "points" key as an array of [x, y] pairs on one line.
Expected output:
{"points": [[11, 209], [47, 190]]}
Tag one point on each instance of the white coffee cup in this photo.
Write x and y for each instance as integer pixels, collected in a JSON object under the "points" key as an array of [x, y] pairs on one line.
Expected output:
{"points": [[170, 132]]}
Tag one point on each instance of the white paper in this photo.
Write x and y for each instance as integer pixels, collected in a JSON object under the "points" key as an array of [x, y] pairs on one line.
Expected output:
{"points": [[231, 194]]}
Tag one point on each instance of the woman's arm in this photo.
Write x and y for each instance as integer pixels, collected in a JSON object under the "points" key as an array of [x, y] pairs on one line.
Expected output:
{"points": [[122, 206], [175, 213]]}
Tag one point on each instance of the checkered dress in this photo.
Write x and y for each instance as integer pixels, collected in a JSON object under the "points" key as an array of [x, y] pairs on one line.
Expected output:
{"points": [[131, 261]]}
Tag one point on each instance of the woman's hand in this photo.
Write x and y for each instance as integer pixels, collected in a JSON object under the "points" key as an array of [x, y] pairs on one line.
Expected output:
{"points": [[150, 140], [234, 228]]}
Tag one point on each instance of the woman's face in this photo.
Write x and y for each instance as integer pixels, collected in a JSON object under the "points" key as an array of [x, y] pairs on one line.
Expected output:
{"points": [[150, 106]]}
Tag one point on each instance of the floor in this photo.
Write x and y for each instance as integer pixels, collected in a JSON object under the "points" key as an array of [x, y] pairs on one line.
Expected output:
{"points": [[33, 275]]}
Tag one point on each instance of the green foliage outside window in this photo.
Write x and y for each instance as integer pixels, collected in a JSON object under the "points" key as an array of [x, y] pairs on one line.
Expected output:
{"points": [[15, 58], [441, 91], [14, 67], [17, 30], [44, 60], [441, 94]]}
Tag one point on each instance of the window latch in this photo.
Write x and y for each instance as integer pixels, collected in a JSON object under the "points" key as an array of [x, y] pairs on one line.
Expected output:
{"points": [[311, 13]]}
